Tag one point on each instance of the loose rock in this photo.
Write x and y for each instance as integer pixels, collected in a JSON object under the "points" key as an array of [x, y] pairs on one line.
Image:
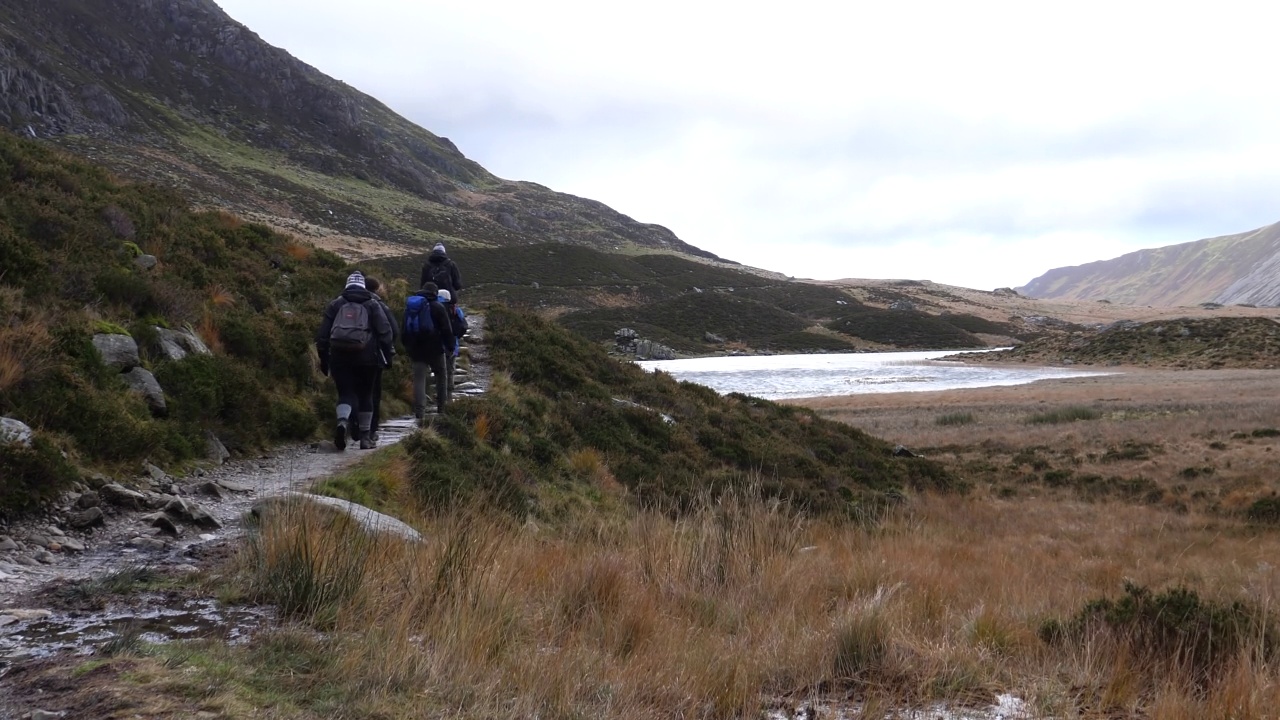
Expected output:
{"points": [[122, 496], [87, 518]]}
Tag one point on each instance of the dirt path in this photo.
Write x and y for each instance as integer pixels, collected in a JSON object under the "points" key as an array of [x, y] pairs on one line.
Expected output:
{"points": [[44, 552]]}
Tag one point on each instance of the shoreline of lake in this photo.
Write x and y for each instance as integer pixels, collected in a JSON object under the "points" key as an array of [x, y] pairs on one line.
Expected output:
{"points": [[788, 377]]}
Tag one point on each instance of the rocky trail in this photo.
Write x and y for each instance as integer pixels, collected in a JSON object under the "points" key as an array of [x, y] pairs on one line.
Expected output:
{"points": [[158, 525]]}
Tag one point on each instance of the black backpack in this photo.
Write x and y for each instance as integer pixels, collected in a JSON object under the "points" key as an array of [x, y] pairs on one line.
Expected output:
{"points": [[439, 274], [351, 331]]}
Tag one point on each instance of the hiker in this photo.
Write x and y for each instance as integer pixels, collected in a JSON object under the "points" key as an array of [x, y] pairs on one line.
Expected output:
{"points": [[458, 325], [428, 338], [373, 285], [442, 271], [354, 341]]}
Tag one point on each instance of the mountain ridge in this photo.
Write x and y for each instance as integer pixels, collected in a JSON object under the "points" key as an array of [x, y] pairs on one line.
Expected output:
{"points": [[1243, 268], [179, 93]]}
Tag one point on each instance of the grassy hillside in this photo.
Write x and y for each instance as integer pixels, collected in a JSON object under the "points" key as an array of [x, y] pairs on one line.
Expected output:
{"points": [[569, 424], [677, 302], [1195, 343], [69, 237]]}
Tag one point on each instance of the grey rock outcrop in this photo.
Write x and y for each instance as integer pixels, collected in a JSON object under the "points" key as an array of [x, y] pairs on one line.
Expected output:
{"points": [[14, 432], [650, 350], [146, 262], [142, 381], [176, 345], [117, 351]]}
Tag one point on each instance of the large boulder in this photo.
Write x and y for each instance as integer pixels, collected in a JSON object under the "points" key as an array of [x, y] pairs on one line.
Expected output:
{"points": [[14, 432], [117, 351], [142, 381], [367, 518]]}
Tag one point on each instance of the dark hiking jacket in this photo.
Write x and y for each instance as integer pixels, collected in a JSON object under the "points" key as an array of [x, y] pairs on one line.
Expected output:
{"points": [[380, 349], [437, 259], [441, 340]]}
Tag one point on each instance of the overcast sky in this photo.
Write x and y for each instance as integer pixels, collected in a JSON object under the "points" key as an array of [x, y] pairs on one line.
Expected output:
{"points": [[971, 143]]}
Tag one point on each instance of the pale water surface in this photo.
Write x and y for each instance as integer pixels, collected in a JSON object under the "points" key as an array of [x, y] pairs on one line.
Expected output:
{"points": [[777, 377]]}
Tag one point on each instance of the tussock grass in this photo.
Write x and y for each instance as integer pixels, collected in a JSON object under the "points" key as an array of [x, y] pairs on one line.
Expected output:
{"points": [[741, 603]]}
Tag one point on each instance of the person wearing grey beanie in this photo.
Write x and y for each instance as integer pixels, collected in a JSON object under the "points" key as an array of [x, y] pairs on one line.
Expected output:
{"points": [[441, 270]]}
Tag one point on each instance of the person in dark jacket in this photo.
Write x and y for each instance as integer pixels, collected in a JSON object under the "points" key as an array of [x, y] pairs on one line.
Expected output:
{"points": [[373, 285], [353, 366], [458, 325], [428, 352], [442, 271]]}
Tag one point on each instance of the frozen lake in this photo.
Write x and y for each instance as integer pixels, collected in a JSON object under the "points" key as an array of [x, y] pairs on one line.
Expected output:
{"points": [[776, 377]]}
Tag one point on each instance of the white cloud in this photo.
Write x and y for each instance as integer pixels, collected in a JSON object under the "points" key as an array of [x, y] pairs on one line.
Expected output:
{"points": [[859, 139]]}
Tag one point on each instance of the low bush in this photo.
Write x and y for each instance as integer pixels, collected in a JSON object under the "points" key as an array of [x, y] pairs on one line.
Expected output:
{"points": [[33, 475], [1173, 632]]}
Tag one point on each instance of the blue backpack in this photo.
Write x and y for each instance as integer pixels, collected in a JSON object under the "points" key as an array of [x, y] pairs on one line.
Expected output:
{"points": [[418, 325]]}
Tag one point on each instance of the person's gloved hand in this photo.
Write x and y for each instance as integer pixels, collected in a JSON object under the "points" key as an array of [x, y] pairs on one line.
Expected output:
{"points": [[455, 351]]}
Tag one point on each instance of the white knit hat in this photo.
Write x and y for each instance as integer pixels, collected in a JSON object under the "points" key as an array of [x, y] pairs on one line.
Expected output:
{"points": [[440, 247], [444, 296], [355, 279]]}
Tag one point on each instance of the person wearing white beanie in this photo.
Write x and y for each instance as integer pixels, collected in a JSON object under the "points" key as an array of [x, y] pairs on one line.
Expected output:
{"points": [[353, 341]]}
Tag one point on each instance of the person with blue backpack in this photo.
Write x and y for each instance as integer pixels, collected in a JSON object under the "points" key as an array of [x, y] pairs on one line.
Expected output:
{"points": [[428, 339], [354, 340]]}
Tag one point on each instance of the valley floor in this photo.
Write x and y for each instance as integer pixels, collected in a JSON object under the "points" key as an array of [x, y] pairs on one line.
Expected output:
{"points": [[1126, 487]]}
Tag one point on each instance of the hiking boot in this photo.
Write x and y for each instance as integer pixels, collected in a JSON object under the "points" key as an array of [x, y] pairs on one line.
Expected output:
{"points": [[366, 441], [340, 435], [373, 435]]}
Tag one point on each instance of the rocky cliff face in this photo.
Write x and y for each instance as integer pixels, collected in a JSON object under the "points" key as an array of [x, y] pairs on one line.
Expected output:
{"points": [[1231, 270], [176, 91]]}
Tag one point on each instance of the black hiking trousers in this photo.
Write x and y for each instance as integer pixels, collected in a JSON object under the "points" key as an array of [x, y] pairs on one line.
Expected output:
{"points": [[355, 390], [377, 399]]}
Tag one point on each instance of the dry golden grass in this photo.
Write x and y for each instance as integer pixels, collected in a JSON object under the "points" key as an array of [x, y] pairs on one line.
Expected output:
{"points": [[297, 250], [25, 345], [220, 296], [743, 605]]}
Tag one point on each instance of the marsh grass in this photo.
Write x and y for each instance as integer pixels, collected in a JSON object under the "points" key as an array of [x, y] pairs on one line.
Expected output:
{"points": [[1064, 415], [956, 418]]}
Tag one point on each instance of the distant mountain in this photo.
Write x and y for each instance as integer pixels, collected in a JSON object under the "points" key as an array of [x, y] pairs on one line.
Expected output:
{"points": [[1231, 270], [177, 92]]}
